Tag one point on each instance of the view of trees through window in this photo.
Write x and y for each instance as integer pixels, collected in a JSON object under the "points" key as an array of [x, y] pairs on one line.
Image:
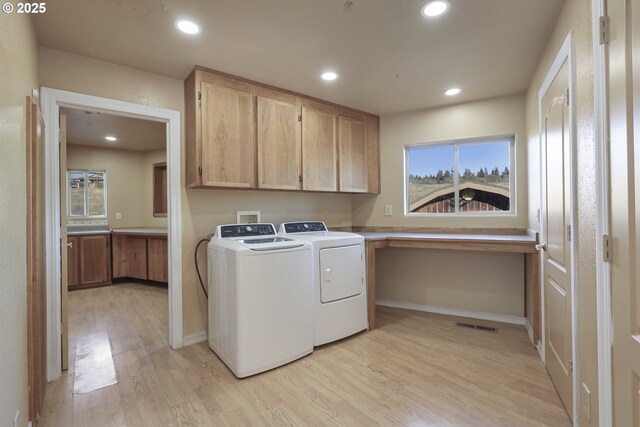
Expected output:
{"points": [[475, 173], [86, 193]]}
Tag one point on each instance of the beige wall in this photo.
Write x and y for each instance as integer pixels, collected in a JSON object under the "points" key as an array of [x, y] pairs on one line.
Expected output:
{"points": [[417, 276], [575, 16], [129, 182], [19, 73], [492, 117], [202, 210]]}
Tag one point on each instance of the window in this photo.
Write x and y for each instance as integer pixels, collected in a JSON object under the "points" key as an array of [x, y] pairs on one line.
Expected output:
{"points": [[86, 193], [464, 177]]}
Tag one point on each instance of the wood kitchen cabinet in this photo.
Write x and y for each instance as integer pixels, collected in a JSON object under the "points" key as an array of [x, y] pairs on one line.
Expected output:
{"points": [[140, 256], [89, 261], [352, 142], [279, 140], [319, 148], [244, 134]]}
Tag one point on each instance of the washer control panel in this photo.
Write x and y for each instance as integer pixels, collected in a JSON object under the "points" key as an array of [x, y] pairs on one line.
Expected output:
{"points": [[304, 227], [246, 230]]}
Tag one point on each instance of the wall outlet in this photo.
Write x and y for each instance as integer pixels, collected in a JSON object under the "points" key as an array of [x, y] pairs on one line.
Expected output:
{"points": [[585, 401], [118, 215], [388, 210], [16, 419]]}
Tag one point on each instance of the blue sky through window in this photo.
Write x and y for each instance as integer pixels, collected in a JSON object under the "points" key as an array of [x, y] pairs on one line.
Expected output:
{"points": [[427, 160]]}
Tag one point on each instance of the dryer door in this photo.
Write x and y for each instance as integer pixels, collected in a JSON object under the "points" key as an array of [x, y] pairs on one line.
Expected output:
{"points": [[341, 273]]}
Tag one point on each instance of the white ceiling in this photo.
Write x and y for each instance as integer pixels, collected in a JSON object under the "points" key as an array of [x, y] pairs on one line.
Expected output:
{"points": [[90, 128], [388, 56]]}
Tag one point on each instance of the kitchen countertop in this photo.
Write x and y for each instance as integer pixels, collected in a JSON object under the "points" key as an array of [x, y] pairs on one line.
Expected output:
{"points": [[455, 237], [92, 230], [140, 230]]}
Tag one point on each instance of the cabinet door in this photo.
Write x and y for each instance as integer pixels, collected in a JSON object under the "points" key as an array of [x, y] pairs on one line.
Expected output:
{"points": [[137, 257], [319, 150], [73, 261], [94, 259], [228, 138], [158, 260], [120, 255], [353, 155], [279, 140]]}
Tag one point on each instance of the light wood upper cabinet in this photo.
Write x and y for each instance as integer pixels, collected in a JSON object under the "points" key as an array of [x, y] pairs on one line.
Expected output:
{"points": [[227, 137], [319, 150], [244, 134], [278, 144], [352, 140]]}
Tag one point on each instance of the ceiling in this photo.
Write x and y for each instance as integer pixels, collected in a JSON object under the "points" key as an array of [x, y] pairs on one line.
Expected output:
{"points": [[90, 128], [389, 58]]}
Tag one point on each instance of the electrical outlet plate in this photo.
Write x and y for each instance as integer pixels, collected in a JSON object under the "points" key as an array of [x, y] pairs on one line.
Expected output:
{"points": [[118, 215], [388, 210], [247, 217]]}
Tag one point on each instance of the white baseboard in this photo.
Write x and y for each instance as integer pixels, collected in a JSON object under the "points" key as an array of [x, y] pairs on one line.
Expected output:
{"points": [[527, 325], [194, 338], [517, 320]]}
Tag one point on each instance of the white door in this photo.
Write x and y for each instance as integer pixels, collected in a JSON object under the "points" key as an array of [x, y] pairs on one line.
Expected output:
{"points": [[556, 217], [624, 114], [341, 273], [64, 275]]}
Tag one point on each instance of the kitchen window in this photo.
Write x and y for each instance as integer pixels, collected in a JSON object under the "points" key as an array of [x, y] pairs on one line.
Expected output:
{"points": [[467, 177], [86, 194]]}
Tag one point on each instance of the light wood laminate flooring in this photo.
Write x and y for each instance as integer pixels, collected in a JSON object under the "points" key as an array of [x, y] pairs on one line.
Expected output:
{"points": [[416, 369]]}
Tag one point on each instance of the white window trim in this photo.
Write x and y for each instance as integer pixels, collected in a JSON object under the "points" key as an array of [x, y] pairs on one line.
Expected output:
{"points": [[86, 187], [456, 142]]}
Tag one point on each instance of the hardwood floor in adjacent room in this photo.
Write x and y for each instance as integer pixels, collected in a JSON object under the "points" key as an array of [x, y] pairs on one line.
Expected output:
{"points": [[416, 369]]}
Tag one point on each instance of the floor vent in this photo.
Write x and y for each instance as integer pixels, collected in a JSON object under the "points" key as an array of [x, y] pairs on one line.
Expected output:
{"points": [[472, 326]]}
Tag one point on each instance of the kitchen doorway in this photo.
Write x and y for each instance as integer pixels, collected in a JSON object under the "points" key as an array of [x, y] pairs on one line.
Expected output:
{"points": [[55, 103]]}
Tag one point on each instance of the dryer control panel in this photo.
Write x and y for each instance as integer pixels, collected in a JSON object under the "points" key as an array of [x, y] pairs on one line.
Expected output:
{"points": [[246, 230], [304, 227]]}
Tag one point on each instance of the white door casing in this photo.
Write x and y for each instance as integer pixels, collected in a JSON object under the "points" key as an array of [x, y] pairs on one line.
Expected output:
{"points": [[624, 155], [51, 102]]}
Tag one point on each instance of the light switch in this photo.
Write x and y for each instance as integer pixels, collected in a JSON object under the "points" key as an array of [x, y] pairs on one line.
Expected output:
{"points": [[388, 210], [118, 215]]}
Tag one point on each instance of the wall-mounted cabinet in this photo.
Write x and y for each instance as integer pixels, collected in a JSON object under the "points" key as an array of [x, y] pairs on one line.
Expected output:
{"points": [[243, 134]]}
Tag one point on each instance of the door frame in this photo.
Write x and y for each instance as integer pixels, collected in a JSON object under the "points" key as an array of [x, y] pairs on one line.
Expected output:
{"points": [[52, 100], [566, 53], [603, 268]]}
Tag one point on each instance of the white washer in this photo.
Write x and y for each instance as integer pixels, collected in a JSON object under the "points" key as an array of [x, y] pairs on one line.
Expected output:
{"points": [[340, 296], [260, 298]]}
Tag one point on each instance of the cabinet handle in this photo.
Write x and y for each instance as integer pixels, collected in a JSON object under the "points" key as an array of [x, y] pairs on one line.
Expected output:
{"points": [[70, 244]]}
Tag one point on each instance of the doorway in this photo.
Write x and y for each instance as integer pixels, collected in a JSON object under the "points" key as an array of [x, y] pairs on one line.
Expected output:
{"points": [[557, 220], [53, 101]]}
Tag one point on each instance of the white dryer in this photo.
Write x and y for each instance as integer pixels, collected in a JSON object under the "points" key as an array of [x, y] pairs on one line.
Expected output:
{"points": [[340, 296], [260, 298]]}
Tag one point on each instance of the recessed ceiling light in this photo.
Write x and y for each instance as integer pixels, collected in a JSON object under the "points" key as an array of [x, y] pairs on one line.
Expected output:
{"points": [[453, 91], [111, 138], [435, 8], [329, 76], [188, 27]]}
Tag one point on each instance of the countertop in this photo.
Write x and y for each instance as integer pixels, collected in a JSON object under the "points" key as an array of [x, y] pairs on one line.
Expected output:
{"points": [[450, 237], [93, 230]]}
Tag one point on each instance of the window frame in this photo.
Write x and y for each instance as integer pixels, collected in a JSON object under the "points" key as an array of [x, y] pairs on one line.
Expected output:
{"points": [[456, 143], [86, 189]]}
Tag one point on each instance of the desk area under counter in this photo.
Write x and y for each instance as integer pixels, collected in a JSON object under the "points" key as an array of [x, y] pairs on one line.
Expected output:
{"points": [[510, 243]]}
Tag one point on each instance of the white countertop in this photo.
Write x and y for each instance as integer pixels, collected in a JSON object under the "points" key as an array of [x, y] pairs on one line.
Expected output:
{"points": [[449, 236], [141, 230]]}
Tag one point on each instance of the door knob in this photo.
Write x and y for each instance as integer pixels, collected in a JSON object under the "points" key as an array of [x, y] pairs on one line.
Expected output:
{"points": [[542, 246]]}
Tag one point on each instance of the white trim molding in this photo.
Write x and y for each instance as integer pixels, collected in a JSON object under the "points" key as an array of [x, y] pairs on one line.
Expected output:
{"points": [[195, 338], [603, 271], [51, 102], [504, 318]]}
